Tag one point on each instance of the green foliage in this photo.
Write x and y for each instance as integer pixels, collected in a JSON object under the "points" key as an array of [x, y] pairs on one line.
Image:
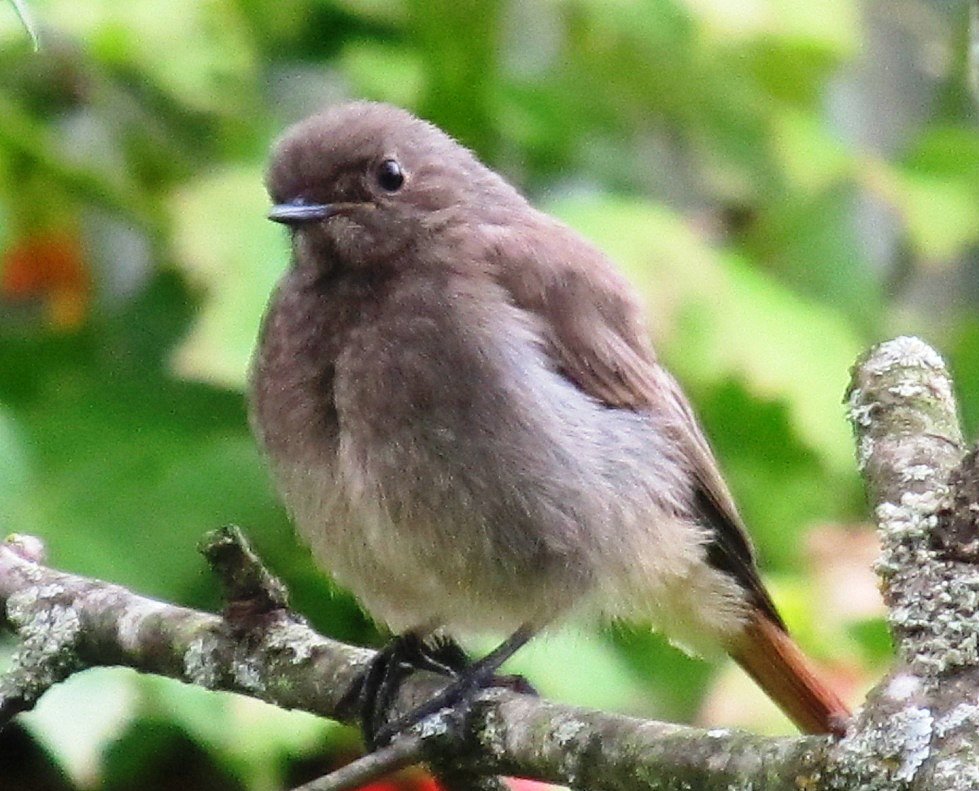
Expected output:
{"points": [[725, 153], [222, 249], [158, 755]]}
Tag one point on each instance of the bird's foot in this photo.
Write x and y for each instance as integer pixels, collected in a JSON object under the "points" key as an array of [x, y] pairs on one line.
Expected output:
{"points": [[442, 656], [379, 685], [447, 652]]}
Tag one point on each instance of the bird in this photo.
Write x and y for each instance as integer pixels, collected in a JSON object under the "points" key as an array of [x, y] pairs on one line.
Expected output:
{"points": [[465, 417]]}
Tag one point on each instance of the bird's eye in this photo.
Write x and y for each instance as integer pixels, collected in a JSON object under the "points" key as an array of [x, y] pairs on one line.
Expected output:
{"points": [[390, 176]]}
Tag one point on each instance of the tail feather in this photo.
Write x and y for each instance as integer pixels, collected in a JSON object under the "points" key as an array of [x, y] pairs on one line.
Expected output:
{"points": [[767, 654]]}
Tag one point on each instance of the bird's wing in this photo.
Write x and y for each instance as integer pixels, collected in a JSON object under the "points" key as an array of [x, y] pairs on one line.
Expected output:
{"points": [[596, 333]]}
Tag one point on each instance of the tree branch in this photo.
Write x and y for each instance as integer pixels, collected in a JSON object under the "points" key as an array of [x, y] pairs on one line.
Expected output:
{"points": [[373, 766], [282, 661], [917, 730], [919, 721]]}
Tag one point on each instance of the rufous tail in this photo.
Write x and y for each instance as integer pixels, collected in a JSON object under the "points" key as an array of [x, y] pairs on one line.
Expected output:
{"points": [[778, 666]]}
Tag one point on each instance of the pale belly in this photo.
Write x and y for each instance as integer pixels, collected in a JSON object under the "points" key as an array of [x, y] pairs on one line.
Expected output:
{"points": [[420, 550], [428, 572]]}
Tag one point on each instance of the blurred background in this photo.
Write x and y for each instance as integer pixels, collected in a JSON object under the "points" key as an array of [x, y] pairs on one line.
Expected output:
{"points": [[785, 183]]}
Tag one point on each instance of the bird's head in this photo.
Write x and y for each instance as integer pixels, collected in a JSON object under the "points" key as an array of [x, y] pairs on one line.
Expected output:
{"points": [[364, 182]]}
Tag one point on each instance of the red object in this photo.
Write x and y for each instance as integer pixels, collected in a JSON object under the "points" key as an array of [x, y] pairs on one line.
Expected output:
{"points": [[49, 268]]}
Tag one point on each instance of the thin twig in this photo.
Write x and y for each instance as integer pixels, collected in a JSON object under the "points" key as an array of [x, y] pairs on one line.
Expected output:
{"points": [[404, 751], [250, 589], [27, 20]]}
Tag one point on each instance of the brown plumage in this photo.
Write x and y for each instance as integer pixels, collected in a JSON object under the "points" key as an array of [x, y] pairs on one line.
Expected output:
{"points": [[468, 423]]}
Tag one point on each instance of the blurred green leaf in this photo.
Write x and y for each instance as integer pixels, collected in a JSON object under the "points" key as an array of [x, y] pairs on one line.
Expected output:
{"points": [[674, 683], [14, 468], [813, 247], [936, 189], [77, 719], [248, 736], [948, 152], [939, 215], [962, 353], [579, 666], [26, 766], [32, 148], [123, 455], [384, 72], [810, 155], [832, 25], [385, 11], [458, 45], [781, 487], [229, 250], [199, 53], [874, 639], [156, 755]]}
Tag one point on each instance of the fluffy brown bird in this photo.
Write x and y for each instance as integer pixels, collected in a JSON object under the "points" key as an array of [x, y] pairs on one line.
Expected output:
{"points": [[467, 422]]}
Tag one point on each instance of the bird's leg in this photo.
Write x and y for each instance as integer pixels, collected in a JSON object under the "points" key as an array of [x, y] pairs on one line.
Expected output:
{"points": [[403, 654], [447, 651], [468, 680]]}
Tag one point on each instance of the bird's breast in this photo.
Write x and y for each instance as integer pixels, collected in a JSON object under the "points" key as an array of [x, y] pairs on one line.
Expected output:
{"points": [[452, 476], [438, 457]]}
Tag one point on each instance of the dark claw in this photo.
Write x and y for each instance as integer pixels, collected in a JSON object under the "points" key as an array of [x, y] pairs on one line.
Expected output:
{"points": [[452, 656], [448, 653], [469, 678], [380, 685], [378, 688]]}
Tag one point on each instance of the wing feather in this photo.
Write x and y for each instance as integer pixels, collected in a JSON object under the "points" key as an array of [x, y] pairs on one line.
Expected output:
{"points": [[597, 336]]}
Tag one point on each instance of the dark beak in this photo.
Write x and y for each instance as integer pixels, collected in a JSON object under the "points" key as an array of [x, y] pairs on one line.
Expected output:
{"points": [[301, 213]]}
